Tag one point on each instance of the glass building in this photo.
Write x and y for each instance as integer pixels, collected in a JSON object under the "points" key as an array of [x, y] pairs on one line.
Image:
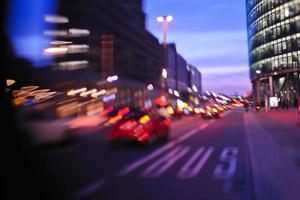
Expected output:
{"points": [[274, 48]]}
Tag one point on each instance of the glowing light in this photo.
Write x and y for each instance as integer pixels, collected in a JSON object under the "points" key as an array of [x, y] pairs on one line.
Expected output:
{"points": [[112, 78], [100, 93], [145, 119], [258, 71], [150, 87], [160, 19], [74, 92], [176, 93], [55, 33], [76, 48], [169, 18], [164, 73], [10, 82], [55, 51], [29, 88], [57, 42], [180, 104], [86, 93], [189, 90], [170, 91], [170, 110], [195, 89], [78, 32], [109, 98], [73, 65], [56, 19]]}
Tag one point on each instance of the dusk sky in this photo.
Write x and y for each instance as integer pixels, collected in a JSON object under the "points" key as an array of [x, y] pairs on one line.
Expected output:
{"points": [[210, 34]]}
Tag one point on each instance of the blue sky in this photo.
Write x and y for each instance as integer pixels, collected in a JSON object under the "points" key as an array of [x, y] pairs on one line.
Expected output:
{"points": [[210, 34]]}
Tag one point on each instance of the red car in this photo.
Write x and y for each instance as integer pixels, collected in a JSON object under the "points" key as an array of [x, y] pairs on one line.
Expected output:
{"points": [[142, 127]]}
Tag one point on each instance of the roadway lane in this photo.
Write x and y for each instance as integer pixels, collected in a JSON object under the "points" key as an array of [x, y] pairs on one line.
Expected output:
{"points": [[205, 159]]}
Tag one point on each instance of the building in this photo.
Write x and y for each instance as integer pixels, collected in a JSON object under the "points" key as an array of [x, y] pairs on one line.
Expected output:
{"points": [[274, 48], [194, 80], [107, 38]]}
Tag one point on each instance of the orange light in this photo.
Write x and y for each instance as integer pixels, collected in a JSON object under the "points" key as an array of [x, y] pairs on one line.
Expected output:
{"points": [[214, 110], [202, 110], [115, 119], [145, 119]]}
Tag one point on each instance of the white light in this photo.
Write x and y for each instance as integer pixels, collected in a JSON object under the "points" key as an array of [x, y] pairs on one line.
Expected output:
{"points": [[170, 91], [55, 33], [164, 73], [55, 51], [160, 19], [195, 89], [112, 78], [10, 82], [188, 68], [85, 94], [176, 93], [74, 92], [169, 18], [72, 65], [258, 71], [77, 32], [150, 87], [189, 90], [60, 42], [76, 48], [100, 93], [56, 19], [180, 103]]}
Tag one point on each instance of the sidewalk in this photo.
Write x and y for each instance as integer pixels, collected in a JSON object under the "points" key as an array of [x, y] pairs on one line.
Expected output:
{"points": [[289, 117], [273, 140]]}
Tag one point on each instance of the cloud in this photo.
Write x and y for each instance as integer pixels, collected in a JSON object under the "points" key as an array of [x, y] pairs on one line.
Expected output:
{"points": [[224, 70]]}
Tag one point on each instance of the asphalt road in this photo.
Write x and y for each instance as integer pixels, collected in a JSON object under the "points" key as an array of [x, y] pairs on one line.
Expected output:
{"points": [[204, 159]]}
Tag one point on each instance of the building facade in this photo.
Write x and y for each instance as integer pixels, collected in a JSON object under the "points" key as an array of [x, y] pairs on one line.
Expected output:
{"points": [[274, 48], [194, 80]]}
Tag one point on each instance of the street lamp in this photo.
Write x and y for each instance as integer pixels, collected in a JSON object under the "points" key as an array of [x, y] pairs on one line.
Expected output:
{"points": [[258, 71], [164, 20], [164, 73]]}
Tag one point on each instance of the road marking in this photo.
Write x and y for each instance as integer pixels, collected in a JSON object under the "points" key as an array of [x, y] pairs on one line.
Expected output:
{"points": [[136, 164], [160, 166], [187, 172], [89, 189], [228, 156], [126, 170]]}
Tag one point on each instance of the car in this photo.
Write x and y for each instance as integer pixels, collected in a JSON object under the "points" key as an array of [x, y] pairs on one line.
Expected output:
{"points": [[209, 111], [143, 127]]}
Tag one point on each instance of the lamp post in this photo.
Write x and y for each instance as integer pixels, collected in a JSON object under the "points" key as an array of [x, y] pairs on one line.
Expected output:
{"points": [[164, 20], [164, 75]]}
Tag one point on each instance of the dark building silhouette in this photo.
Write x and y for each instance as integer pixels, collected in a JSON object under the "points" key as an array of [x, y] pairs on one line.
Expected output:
{"points": [[118, 41], [274, 44]]}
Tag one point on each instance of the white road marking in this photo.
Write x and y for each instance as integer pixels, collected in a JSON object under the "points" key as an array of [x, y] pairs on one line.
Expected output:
{"points": [[187, 172], [228, 156], [126, 170], [161, 165], [89, 189]]}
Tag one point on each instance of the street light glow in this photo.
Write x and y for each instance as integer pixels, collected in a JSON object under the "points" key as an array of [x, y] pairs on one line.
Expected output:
{"points": [[164, 73], [258, 71], [169, 18], [160, 19], [150, 87], [176, 93], [112, 78]]}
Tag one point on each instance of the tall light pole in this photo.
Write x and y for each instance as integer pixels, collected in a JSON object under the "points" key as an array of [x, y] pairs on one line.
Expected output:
{"points": [[164, 20]]}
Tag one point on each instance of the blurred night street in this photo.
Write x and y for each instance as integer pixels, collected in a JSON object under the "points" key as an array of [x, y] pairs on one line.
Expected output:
{"points": [[150, 100]]}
